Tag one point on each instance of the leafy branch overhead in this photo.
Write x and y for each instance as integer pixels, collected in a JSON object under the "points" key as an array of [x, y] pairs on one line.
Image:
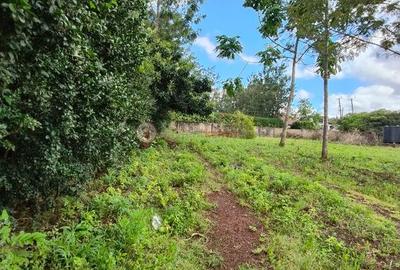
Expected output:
{"points": [[228, 47]]}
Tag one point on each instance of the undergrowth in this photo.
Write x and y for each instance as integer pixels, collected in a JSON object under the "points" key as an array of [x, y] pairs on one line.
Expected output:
{"points": [[109, 226], [310, 226]]}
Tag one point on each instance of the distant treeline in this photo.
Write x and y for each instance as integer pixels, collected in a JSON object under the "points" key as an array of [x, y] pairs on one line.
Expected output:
{"points": [[369, 122]]}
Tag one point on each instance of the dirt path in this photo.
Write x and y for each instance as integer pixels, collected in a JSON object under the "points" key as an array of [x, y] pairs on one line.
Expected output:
{"points": [[235, 232]]}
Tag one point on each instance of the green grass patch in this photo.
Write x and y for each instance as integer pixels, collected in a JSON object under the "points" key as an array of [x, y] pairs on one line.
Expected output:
{"points": [[109, 226], [311, 226]]}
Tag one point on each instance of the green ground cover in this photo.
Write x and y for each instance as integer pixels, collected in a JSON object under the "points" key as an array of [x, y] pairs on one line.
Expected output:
{"points": [[343, 214], [312, 223], [109, 226]]}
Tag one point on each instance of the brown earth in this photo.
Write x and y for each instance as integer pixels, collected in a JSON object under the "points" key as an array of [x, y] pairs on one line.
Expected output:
{"points": [[235, 232]]}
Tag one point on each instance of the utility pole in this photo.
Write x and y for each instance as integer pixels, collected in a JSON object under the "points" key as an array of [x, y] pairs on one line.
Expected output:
{"points": [[352, 106], [340, 108]]}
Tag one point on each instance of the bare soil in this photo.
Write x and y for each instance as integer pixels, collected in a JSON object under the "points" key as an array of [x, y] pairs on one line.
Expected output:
{"points": [[235, 232]]}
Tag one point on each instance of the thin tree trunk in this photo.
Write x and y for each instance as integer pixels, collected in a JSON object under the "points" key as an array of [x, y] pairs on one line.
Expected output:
{"points": [[291, 95], [158, 15], [324, 154]]}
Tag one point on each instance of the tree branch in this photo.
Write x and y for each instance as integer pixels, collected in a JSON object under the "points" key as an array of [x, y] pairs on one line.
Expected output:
{"points": [[367, 42], [304, 53]]}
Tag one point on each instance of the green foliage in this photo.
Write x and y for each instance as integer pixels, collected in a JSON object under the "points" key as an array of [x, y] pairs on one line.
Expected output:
{"points": [[108, 226], [194, 118], [221, 118], [269, 56], [268, 122], [173, 20], [306, 205], [242, 124], [265, 96], [272, 15], [369, 122], [308, 117], [233, 87], [14, 247], [72, 92], [228, 47], [77, 78], [177, 82]]}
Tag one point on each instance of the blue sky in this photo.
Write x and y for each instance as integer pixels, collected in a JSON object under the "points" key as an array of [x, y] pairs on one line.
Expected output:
{"points": [[372, 80]]}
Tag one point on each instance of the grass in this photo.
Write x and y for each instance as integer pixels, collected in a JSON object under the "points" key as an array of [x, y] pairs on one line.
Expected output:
{"points": [[343, 214], [109, 225], [311, 222]]}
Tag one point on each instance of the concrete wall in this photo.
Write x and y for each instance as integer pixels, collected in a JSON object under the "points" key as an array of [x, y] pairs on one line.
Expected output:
{"points": [[213, 129]]}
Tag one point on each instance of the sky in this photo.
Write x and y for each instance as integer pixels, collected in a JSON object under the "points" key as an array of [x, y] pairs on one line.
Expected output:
{"points": [[372, 79]]}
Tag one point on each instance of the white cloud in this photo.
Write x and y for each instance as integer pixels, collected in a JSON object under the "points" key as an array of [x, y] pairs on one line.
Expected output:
{"points": [[303, 94], [380, 72], [374, 67], [305, 72], [253, 60], [206, 44], [366, 99]]}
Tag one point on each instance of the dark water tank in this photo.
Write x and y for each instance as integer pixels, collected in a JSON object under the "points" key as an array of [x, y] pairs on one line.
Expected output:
{"points": [[391, 134]]}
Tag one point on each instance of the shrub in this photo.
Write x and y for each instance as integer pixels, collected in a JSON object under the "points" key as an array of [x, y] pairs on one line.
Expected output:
{"points": [[190, 118], [242, 124], [305, 124], [369, 122], [268, 122], [73, 90]]}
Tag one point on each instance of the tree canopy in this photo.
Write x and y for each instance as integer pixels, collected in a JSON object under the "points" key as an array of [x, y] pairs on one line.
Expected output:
{"points": [[78, 77]]}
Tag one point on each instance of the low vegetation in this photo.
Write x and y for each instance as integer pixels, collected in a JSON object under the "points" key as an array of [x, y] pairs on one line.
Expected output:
{"points": [[369, 122], [109, 226], [239, 124], [316, 215], [223, 118]]}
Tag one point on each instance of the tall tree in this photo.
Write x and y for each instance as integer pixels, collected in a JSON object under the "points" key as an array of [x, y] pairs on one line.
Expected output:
{"points": [[284, 42], [174, 19], [265, 95], [177, 81], [333, 35]]}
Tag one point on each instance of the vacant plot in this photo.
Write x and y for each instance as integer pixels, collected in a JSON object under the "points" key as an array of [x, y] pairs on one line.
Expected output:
{"points": [[343, 214], [222, 204]]}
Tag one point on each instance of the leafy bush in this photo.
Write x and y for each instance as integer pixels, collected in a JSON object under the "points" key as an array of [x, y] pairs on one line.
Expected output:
{"points": [[241, 124], [369, 122], [305, 124], [72, 92], [192, 118], [308, 117], [109, 225], [13, 246], [268, 122], [76, 79]]}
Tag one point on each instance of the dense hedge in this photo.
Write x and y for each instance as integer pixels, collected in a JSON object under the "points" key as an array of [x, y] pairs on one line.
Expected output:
{"points": [[223, 118], [369, 122], [73, 90], [243, 124], [268, 122], [305, 124], [76, 79]]}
